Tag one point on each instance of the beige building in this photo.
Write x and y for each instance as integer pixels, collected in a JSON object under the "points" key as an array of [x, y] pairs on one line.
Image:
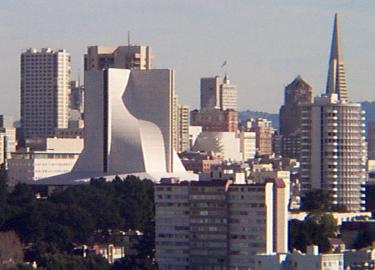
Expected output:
{"points": [[45, 90], [125, 57], [217, 224], [183, 123]]}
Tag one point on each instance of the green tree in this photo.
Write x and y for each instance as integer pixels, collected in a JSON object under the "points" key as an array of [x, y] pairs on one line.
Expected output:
{"points": [[316, 200], [315, 229]]}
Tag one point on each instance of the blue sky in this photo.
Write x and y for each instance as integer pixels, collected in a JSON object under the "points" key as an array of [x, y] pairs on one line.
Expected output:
{"points": [[266, 43]]}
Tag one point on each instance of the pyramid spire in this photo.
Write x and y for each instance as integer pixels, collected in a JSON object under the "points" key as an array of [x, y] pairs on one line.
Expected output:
{"points": [[336, 81]]}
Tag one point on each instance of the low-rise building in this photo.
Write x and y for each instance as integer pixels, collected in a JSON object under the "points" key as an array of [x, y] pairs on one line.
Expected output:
{"points": [[54, 156], [311, 260]]}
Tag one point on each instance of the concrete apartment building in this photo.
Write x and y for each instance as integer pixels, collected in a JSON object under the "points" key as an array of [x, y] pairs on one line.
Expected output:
{"points": [[333, 147], [45, 90], [125, 57], [183, 123], [218, 225]]}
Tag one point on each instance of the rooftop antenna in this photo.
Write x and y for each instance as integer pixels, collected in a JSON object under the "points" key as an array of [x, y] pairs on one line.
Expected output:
{"points": [[79, 77], [224, 65]]}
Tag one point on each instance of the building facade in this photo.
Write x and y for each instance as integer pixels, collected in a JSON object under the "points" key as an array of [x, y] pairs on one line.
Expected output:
{"points": [[45, 90], [215, 120], [217, 224], [125, 57], [264, 134], [183, 123], [55, 156]]}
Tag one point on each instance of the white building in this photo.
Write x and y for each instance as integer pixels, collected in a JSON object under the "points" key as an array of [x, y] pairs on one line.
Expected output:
{"points": [[45, 90], [230, 146], [311, 260], [128, 127], [217, 224], [58, 157]]}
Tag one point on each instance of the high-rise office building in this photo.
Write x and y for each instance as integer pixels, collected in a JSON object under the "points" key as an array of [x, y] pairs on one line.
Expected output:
{"points": [[210, 93], [217, 224], [296, 93], [333, 149], [218, 94], [45, 89], [126, 57], [228, 95]]}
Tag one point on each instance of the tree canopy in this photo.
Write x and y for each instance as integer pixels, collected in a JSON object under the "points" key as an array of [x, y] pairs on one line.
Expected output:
{"points": [[50, 227]]}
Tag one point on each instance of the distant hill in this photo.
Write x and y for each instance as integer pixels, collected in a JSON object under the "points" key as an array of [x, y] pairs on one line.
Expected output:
{"points": [[368, 106], [273, 117]]}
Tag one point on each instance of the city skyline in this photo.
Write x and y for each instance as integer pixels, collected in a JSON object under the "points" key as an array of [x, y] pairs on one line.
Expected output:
{"points": [[264, 43]]}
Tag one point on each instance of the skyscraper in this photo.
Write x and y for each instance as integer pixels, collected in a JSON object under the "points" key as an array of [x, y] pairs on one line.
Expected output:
{"points": [[228, 95], [45, 89], [210, 93], [333, 149], [298, 92], [218, 94], [126, 57]]}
